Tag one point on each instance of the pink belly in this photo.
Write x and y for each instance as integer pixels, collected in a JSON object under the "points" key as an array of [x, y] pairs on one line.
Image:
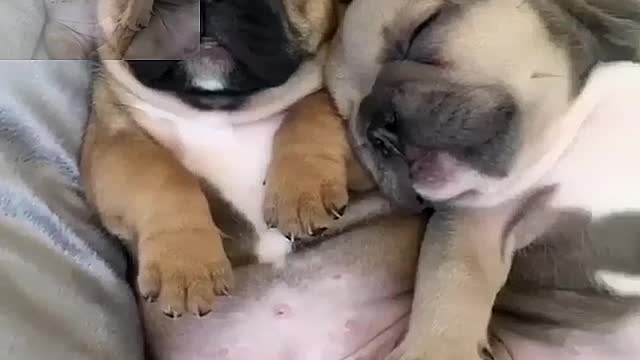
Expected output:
{"points": [[341, 316], [313, 323]]}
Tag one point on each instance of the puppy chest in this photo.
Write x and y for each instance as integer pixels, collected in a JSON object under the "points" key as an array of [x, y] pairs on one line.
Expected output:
{"points": [[233, 159]]}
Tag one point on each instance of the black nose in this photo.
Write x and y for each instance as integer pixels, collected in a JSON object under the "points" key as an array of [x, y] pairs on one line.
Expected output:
{"points": [[382, 131]]}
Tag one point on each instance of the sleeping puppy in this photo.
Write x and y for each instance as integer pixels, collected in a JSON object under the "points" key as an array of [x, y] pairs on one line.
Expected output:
{"points": [[177, 147], [142, 147], [496, 111]]}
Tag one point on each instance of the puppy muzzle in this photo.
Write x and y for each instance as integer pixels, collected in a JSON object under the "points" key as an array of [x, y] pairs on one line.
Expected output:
{"points": [[417, 116], [421, 110]]}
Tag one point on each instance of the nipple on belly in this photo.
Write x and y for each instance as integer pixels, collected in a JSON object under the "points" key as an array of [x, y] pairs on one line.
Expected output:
{"points": [[282, 311], [351, 325]]}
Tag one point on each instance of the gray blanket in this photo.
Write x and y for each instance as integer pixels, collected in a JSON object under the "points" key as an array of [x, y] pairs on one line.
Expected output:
{"points": [[62, 281], [64, 294]]}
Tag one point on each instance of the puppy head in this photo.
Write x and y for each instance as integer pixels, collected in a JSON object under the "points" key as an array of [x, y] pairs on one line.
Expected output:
{"points": [[462, 101], [245, 47]]}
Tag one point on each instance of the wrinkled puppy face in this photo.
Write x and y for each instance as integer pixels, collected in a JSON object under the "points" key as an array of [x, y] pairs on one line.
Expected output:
{"points": [[457, 100], [245, 46]]}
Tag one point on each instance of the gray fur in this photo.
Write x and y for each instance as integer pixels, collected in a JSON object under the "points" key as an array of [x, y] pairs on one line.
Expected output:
{"points": [[550, 315], [593, 31], [569, 252], [552, 282]]}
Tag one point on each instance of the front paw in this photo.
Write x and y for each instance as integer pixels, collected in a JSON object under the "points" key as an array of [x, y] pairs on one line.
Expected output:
{"points": [[305, 193], [184, 271]]}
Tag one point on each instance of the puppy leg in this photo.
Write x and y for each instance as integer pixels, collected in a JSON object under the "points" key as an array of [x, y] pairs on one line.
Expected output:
{"points": [[147, 198], [461, 269], [307, 178]]}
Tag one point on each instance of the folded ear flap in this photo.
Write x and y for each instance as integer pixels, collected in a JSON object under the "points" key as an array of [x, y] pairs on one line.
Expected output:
{"points": [[118, 23], [173, 32], [314, 21]]}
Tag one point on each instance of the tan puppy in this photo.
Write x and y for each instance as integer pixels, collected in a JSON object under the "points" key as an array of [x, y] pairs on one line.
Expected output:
{"points": [[148, 152], [504, 115]]}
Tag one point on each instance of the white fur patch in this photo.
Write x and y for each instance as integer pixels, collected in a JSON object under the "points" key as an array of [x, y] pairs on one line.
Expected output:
{"points": [[273, 247], [621, 284]]}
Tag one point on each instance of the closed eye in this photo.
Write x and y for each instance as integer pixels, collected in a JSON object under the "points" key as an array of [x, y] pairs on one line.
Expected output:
{"points": [[424, 25], [420, 51]]}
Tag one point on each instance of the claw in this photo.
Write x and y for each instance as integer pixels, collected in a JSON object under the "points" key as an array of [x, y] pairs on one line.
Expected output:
{"points": [[149, 298], [202, 314], [318, 231], [484, 350], [171, 314]]}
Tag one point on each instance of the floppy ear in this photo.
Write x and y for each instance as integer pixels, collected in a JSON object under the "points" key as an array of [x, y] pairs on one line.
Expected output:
{"points": [[173, 31], [615, 24], [314, 21], [119, 21]]}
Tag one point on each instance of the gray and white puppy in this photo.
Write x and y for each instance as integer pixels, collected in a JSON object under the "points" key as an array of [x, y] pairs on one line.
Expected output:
{"points": [[500, 113]]}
